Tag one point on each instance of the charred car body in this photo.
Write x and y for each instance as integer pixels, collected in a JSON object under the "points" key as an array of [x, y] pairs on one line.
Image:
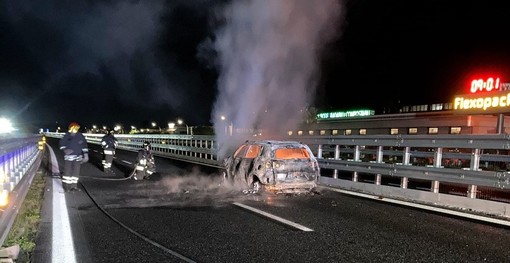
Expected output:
{"points": [[278, 166]]}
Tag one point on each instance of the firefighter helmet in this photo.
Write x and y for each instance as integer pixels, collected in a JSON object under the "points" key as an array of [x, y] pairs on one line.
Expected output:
{"points": [[147, 145], [74, 127]]}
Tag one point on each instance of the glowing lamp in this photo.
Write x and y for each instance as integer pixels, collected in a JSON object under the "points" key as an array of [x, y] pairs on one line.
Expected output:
{"points": [[4, 198], [5, 125]]}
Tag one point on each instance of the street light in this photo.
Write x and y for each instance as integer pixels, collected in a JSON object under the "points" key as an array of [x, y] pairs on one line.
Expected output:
{"points": [[181, 122], [222, 121], [154, 126], [171, 127], [229, 129], [5, 125]]}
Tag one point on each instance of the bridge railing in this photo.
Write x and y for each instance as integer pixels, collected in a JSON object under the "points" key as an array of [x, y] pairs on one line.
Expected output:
{"points": [[462, 171], [20, 157], [476, 160], [200, 149]]}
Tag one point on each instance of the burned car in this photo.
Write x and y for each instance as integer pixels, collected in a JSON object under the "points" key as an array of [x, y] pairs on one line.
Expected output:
{"points": [[277, 166]]}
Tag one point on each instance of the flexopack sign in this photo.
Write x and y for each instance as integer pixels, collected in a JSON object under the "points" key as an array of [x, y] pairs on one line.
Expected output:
{"points": [[487, 95]]}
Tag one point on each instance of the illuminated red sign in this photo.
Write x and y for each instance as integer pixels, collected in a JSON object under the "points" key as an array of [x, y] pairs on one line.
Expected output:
{"points": [[487, 84]]}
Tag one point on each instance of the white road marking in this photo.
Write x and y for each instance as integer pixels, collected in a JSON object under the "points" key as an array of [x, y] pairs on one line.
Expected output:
{"points": [[62, 249], [279, 219], [128, 162]]}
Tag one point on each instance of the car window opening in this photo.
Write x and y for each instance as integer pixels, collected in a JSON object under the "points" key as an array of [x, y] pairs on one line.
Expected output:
{"points": [[253, 151], [291, 153], [240, 152]]}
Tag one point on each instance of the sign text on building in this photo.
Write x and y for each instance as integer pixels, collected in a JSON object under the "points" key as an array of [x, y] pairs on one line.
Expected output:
{"points": [[489, 102], [344, 114]]}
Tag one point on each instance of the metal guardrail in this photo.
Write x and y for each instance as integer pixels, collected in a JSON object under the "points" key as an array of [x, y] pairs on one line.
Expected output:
{"points": [[468, 159], [20, 157], [475, 164], [199, 149]]}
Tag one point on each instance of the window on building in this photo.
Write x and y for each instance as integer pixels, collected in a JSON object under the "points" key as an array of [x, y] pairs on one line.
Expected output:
{"points": [[300, 133], [455, 130], [394, 131], [437, 106], [334, 132], [322, 132], [310, 132], [348, 132], [433, 130], [417, 108], [413, 130], [363, 131]]}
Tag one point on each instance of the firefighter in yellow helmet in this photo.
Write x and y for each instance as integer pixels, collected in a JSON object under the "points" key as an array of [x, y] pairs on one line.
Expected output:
{"points": [[76, 152]]}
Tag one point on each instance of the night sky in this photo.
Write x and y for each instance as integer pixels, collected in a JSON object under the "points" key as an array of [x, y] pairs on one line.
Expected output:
{"points": [[259, 63]]}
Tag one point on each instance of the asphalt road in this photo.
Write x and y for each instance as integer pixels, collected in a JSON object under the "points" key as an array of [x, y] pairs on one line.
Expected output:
{"points": [[185, 214]]}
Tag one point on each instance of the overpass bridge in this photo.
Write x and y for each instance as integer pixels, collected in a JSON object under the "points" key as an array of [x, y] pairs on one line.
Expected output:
{"points": [[460, 173]]}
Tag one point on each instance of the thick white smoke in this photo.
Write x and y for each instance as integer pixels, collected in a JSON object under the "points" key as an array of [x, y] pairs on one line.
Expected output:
{"points": [[269, 54]]}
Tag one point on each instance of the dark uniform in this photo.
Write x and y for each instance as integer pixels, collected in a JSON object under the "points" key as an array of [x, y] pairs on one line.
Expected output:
{"points": [[76, 152], [109, 144], [145, 165]]}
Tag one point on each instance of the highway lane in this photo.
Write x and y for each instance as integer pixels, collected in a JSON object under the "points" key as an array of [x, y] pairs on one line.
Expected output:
{"points": [[184, 214]]}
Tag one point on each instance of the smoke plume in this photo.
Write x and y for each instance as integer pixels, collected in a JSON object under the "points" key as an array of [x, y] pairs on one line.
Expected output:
{"points": [[268, 57]]}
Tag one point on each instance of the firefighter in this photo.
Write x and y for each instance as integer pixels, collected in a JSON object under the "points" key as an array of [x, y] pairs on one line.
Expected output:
{"points": [[109, 144], [74, 146], [145, 165]]}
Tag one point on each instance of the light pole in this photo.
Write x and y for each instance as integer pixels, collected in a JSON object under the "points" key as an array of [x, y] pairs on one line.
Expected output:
{"points": [[223, 122], [229, 129], [171, 127], [118, 128], [154, 126], [181, 122]]}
